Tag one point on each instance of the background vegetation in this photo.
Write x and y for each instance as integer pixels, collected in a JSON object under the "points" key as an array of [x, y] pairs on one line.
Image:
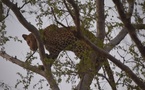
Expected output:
{"points": [[117, 24]]}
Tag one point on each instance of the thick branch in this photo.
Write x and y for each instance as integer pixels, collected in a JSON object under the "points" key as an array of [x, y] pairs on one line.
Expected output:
{"points": [[21, 63], [116, 40], [129, 26], [69, 10], [77, 16], [102, 53], [27, 25], [120, 37], [139, 26], [100, 20], [85, 81], [31, 28], [123, 32], [130, 8]]}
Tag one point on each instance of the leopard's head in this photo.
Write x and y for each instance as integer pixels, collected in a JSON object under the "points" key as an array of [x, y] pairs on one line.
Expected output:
{"points": [[31, 41]]}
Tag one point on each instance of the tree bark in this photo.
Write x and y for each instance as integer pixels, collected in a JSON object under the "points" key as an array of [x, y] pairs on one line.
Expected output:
{"points": [[100, 38], [21, 63], [127, 23], [127, 70], [48, 75]]}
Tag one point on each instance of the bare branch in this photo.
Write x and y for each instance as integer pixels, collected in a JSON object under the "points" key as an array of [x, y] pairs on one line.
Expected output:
{"points": [[121, 36], [123, 32], [100, 38], [85, 81], [76, 16], [24, 4], [125, 68], [30, 56], [31, 28], [21, 63], [130, 8], [101, 75], [56, 18], [1, 12], [131, 30], [70, 12], [116, 40], [139, 26], [100, 20]]}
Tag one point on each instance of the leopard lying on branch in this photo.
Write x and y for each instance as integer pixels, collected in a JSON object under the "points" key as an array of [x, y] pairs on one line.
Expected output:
{"points": [[57, 39]]}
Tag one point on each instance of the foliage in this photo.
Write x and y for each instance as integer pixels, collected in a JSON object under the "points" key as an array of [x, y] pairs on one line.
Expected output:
{"points": [[25, 80], [61, 12], [5, 86]]}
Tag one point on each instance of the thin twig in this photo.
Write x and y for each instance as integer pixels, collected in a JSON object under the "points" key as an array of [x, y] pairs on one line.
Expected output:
{"points": [[30, 56], [56, 18], [69, 10], [24, 4]]}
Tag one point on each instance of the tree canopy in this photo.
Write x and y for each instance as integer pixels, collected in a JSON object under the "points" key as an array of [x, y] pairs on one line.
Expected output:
{"points": [[117, 38]]}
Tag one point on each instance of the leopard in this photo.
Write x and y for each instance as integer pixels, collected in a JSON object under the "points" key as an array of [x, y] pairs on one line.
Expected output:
{"points": [[57, 39]]}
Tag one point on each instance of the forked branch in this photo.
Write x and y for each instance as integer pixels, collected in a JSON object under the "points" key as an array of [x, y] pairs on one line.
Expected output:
{"points": [[127, 23], [31, 28], [125, 68]]}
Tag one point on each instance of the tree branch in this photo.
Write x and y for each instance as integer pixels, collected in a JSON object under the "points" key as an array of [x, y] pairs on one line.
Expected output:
{"points": [[26, 2], [131, 30], [76, 16], [56, 19], [100, 20], [130, 8], [31, 28], [116, 40], [70, 12], [108, 47], [21, 63], [100, 38], [124, 31], [139, 26], [28, 26], [88, 77], [128, 71]]}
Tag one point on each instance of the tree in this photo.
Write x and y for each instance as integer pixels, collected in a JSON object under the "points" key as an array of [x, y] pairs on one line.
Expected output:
{"points": [[127, 19]]}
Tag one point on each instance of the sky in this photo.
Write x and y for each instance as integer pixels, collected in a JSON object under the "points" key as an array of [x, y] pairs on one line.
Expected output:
{"points": [[8, 71]]}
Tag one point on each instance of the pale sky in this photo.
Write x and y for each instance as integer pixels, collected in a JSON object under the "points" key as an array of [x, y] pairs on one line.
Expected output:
{"points": [[8, 70]]}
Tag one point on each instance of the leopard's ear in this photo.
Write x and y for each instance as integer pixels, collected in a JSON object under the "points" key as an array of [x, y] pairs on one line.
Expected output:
{"points": [[24, 36]]}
